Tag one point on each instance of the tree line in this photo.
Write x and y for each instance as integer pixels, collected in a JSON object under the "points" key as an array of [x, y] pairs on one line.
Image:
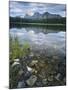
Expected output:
{"points": [[45, 21]]}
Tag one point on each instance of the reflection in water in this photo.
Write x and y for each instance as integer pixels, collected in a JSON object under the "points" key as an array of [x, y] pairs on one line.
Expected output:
{"points": [[41, 39], [42, 58]]}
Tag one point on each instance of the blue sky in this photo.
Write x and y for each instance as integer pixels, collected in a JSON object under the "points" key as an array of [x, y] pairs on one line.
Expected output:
{"points": [[22, 8]]}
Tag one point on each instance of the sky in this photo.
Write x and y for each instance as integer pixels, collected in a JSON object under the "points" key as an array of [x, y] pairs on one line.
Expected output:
{"points": [[20, 9]]}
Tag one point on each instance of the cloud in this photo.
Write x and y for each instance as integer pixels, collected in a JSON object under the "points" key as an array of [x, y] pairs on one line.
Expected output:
{"points": [[21, 8]]}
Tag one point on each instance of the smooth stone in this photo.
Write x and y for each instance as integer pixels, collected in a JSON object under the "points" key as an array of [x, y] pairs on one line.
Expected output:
{"points": [[15, 63], [16, 60], [29, 68], [31, 81]]}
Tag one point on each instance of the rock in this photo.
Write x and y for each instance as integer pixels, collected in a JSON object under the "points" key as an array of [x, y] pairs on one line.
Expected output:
{"points": [[21, 72], [31, 54], [27, 75], [50, 78], [44, 81], [55, 59], [34, 71], [58, 76], [31, 81], [41, 64], [64, 80], [29, 68], [21, 84], [42, 74], [15, 63], [16, 60], [34, 62], [39, 84]]}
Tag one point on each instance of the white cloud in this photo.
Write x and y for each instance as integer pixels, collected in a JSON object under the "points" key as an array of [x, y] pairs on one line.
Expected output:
{"points": [[22, 8]]}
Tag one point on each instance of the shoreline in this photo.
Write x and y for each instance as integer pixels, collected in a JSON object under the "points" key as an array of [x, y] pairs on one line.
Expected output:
{"points": [[37, 24]]}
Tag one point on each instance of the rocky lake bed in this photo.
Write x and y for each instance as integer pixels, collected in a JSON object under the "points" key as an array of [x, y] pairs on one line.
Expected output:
{"points": [[40, 62]]}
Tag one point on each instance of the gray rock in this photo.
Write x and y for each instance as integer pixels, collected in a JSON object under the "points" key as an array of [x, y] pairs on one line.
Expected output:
{"points": [[33, 62], [44, 81], [31, 81], [21, 72], [29, 68], [14, 64], [64, 80], [27, 75], [39, 84], [57, 77], [50, 78], [31, 54], [16, 60], [21, 84]]}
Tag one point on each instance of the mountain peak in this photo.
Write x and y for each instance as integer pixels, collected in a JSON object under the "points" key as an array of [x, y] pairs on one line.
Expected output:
{"points": [[45, 15], [36, 13]]}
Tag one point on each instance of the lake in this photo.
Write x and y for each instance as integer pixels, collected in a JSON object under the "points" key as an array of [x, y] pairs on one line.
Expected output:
{"points": [[40, 39], [46, 60]]}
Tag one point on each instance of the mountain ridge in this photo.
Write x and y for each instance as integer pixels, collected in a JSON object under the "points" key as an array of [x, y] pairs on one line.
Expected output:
{"points": [[45, 15]]}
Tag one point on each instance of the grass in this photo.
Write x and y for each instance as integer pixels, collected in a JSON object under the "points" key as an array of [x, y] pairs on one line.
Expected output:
{"points": [[17, 50]]}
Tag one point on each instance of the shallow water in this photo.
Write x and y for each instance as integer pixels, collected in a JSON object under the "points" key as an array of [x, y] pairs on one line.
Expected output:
{"points": [[53, 41]]}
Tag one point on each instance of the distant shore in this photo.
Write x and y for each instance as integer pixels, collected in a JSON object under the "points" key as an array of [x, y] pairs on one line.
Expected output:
{"points": [[42, 24]]}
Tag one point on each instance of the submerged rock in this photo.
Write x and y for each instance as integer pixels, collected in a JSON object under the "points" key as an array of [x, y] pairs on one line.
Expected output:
{"points": [[16, 60], [50, 78], [57, 77], [14, 64], [21, 84], [29, 68], [27, 75], [44, 81], [20, 72], [31, 81], [34, 62], [31, 54], [39, 84]]}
